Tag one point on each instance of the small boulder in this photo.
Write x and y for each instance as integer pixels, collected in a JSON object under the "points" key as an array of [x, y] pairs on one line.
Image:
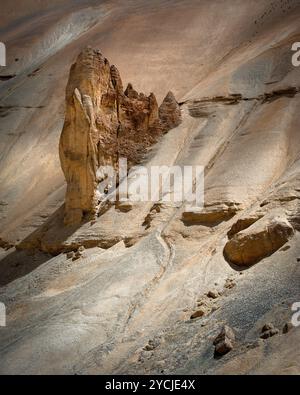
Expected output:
{"points": [[199, 313], [77, 256], [267, 327], [224, 341], [229, 283], [268, 330], [243, 223], [70, 254], [223, 347], [225, 332], [152, 344], [287, 327], [124, 206], [81, 249], [260, 240], [213, 294]]}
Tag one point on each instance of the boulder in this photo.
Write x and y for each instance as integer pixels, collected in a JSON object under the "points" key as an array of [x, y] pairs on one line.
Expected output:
{"points": [[224, 341], [268, 330], [243, 223], [258, 241], [199, 313], [213, 294]]}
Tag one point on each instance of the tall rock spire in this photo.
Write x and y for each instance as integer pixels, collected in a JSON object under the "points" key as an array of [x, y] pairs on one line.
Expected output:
{"points": [[103, 123]]}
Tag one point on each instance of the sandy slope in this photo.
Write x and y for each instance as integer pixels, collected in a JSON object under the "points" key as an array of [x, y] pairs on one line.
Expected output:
{"points": [[96, 315]]}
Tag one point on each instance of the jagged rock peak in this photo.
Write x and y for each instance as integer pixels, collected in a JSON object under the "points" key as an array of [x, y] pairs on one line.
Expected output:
{"points": [[169, 112], [102, 124]]}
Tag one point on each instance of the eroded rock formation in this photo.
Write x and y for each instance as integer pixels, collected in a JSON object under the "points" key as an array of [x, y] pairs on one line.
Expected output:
{"points": [[211, 214], [258, 241], [104, 123]]}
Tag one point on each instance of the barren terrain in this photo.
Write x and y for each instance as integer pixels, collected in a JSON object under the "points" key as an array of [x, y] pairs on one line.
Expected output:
{"points": [[128, 304]]}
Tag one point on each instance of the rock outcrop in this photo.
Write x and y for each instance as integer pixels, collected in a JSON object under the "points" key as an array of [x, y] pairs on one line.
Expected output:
{"points": [[211, 214], [258, 241], [104, 123], [141, 297]]}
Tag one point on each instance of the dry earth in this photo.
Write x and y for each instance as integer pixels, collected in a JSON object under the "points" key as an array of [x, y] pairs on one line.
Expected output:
{"points": [[125, 305]]}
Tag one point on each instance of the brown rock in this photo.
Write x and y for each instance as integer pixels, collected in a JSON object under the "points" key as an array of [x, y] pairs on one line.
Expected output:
{"points": [[243, 223], [229, 283], [70, 254], [77, 256], [152, 344], [124, 206], [211, 214], [102, 124], [268, 330], [169, 112], [258, 241], [199, 313], [5, 245], [223, 347], [287, 327], [224, 341], [267, 327], [269, 333], [213, 294], [226, 332]]}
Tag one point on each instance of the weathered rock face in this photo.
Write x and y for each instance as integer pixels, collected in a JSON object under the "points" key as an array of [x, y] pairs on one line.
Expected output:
{"points": [[258, 241], [169, 112], [243, 223], [102, 124], [212, 214]]}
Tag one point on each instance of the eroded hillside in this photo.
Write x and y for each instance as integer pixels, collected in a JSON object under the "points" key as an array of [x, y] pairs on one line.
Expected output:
{"points": [[143, 287]]}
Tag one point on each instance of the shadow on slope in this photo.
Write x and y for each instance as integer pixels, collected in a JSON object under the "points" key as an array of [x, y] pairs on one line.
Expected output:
{"points": [[31, 253], [19, 263]]}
